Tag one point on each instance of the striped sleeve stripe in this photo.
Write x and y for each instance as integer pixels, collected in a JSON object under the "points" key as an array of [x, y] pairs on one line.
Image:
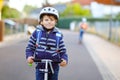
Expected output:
{"points": [[31, 44], [63, 48], [32, 41], [40, 49], [62, 44], [32, 37], [30, 48]]}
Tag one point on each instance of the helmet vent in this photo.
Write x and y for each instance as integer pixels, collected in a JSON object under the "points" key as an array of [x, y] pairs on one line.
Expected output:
{"points": [[49, 9]]}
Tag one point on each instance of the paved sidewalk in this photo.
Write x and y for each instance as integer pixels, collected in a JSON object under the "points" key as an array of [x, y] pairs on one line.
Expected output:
{"points": [[11, 39], [105, 54]]}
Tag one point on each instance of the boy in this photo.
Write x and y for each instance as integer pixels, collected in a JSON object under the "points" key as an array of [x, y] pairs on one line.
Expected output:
{"points": [[50, 44]]}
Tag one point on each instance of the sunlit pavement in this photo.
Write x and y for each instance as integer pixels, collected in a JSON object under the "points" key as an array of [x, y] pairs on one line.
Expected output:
{"points": [[105, 54]]}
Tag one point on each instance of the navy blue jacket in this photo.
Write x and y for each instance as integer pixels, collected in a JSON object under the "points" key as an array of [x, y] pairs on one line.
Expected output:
{"points": [[47, 46]]}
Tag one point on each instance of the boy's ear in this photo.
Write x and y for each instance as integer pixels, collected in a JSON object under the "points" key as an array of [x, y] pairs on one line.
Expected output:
{"points": [[40, 22]]}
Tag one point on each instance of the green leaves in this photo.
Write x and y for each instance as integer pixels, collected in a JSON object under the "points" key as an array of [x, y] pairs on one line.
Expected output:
{"points": [[75, 10], [8, 12]]}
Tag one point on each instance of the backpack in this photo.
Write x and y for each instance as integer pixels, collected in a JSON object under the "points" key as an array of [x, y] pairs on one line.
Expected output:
{"points": [[39, 34]]}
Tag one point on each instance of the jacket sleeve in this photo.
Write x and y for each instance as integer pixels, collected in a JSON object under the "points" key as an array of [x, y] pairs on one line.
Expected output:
{"points": [[62, 49], [30, 49]]}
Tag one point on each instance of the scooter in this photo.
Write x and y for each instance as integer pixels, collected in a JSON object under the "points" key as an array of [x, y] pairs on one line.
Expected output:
{"points": [[47, 62]]}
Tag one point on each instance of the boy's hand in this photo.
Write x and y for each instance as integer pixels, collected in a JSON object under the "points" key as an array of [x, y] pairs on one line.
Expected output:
{"points": [[63, 63], [30, 59]]}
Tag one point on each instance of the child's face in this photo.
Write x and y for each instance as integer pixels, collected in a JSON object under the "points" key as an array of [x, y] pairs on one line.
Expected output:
{"points": [[48, 21]]}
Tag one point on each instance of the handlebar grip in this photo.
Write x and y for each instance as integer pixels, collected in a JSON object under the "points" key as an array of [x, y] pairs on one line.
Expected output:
{"points": [[35, 60], [30, 64]]}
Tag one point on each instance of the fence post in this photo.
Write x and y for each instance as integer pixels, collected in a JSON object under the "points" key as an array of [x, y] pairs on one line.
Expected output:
{"points": [[1, 30]]}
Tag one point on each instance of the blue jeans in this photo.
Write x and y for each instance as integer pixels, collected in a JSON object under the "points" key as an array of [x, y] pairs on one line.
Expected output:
{"points": [[81, 34], [40, 75]]}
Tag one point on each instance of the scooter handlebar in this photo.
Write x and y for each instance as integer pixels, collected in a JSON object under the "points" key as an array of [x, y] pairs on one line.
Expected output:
{"points": [[45, 60]]}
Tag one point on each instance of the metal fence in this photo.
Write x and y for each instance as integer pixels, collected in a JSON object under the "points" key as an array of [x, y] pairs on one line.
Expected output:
{"points": [[106, 28]]}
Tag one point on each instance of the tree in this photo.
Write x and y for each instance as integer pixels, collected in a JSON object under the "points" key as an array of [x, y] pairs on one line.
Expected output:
{"points": [[28, 8], [8, 12], [75, 10], [118, 15]]}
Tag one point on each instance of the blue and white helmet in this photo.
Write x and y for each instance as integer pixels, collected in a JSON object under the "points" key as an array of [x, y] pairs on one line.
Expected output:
{"points": [[49, 10]]}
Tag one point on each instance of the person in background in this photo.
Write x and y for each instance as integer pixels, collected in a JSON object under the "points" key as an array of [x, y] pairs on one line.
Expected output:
{"points": [[83, 27]]}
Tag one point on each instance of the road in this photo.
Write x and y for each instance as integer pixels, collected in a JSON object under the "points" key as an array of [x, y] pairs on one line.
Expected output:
{"points": [[81, 66]]}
